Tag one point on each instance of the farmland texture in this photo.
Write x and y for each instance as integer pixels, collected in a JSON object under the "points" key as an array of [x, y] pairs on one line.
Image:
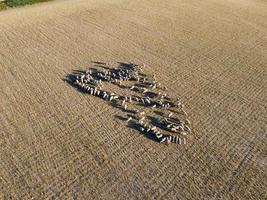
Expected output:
{"points": [[58, 143]]}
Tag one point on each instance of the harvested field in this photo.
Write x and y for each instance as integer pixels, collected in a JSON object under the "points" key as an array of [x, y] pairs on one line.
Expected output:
{"points": [[59, 143]]}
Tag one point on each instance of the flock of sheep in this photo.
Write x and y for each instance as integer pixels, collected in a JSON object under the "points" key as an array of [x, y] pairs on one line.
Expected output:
{"points": [[171, 127]]}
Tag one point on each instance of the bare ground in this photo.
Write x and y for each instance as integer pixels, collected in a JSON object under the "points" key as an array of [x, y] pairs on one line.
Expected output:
{"points": [[56, 143]]}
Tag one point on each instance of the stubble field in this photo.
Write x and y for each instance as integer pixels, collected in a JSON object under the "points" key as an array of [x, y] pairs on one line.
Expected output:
{"points": [[57, 143]]}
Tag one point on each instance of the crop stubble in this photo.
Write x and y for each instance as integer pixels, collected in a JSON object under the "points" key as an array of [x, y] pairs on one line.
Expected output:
{"points": [[59, 143]]}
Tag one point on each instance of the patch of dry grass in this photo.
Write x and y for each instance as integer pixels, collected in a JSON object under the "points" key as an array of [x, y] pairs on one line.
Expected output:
{"points": [[59, 143]]}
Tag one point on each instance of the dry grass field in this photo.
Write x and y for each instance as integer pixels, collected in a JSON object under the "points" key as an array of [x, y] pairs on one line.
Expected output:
{"points": [[57, 143]]}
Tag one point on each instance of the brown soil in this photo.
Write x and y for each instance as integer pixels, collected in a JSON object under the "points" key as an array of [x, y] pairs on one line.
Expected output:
{"points": [[57, 143]]}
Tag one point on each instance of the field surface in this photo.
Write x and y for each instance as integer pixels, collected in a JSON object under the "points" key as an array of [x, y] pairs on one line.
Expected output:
{"points": [[57, 143]]}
